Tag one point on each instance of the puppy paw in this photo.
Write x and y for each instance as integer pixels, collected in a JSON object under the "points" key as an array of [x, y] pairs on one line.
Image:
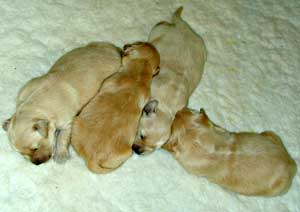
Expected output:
{"points": [[61, 156]]}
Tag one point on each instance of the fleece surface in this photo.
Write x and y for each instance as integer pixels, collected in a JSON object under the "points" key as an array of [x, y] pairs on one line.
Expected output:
{"points": [[251, 83]]}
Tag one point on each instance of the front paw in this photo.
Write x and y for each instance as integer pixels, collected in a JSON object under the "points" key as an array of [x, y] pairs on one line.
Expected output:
{"points": [[61, 156]]}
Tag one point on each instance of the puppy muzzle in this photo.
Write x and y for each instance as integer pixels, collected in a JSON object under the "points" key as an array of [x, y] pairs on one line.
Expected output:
{"points": [[40, 160]]}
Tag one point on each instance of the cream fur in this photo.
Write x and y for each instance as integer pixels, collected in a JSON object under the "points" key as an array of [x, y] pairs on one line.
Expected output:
{"points": [[183, 56], [247, 163], [104, 131], [47, 104]]}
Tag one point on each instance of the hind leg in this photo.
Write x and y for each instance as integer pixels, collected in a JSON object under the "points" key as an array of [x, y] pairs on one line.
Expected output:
{"points": [[109, 164], [275, 138]]}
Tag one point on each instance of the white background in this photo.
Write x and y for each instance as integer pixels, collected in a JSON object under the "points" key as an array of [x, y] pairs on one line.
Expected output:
{"points": [[251, 83]]}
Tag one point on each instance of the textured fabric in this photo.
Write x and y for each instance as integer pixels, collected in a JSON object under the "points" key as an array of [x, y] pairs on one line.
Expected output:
{"points": [[251, 83]]}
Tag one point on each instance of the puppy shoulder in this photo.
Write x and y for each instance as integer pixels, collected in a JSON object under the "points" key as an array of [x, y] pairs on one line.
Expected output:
{"points": [[28, 89], [110, 83]]}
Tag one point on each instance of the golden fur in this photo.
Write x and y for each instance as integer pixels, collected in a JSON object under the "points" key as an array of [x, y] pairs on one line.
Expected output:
{"points": [[247, 163], [104, 131], [183, 55], [46, 105]]}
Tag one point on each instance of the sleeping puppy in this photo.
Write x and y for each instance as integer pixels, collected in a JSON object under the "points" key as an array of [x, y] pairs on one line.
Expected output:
{"points": [[104, 131], [182, 54], [46, 105], [247, 163]]}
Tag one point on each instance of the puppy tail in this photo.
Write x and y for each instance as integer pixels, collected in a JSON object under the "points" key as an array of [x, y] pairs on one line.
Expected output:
{"points": [[177, 15]]}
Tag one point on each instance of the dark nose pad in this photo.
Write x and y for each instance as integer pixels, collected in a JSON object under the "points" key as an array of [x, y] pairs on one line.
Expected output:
{"points": [[137, 149], [37, 162], [40, 160]]}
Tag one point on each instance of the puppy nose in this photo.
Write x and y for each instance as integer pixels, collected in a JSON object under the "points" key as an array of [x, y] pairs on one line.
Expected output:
{"points": [[137, 149], [40, 160], [37, 162]]}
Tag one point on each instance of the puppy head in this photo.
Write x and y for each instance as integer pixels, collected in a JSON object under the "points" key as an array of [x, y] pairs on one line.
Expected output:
{"points": [[31, 137], [154, 129], [186, 126], [187, 117], [142, 50]]}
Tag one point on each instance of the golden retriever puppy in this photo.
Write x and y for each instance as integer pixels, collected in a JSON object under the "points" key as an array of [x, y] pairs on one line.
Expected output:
{"points": [[46, 105], [104, 131], [247, 163], [183, 55]]}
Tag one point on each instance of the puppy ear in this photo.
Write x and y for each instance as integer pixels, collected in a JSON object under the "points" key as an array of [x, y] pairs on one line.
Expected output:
{"points": [[129, 50], [202, 110], [150, 107], [5, 124], [204, 118], [41, 126], [156, 72], [126, 46]]}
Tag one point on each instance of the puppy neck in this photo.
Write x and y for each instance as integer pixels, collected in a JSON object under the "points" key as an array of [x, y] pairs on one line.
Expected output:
{"points": [[167, 110], [139, 69]]}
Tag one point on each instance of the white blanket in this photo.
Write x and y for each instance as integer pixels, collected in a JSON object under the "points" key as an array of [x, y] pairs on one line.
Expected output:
{"points": [[251, 83]]}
